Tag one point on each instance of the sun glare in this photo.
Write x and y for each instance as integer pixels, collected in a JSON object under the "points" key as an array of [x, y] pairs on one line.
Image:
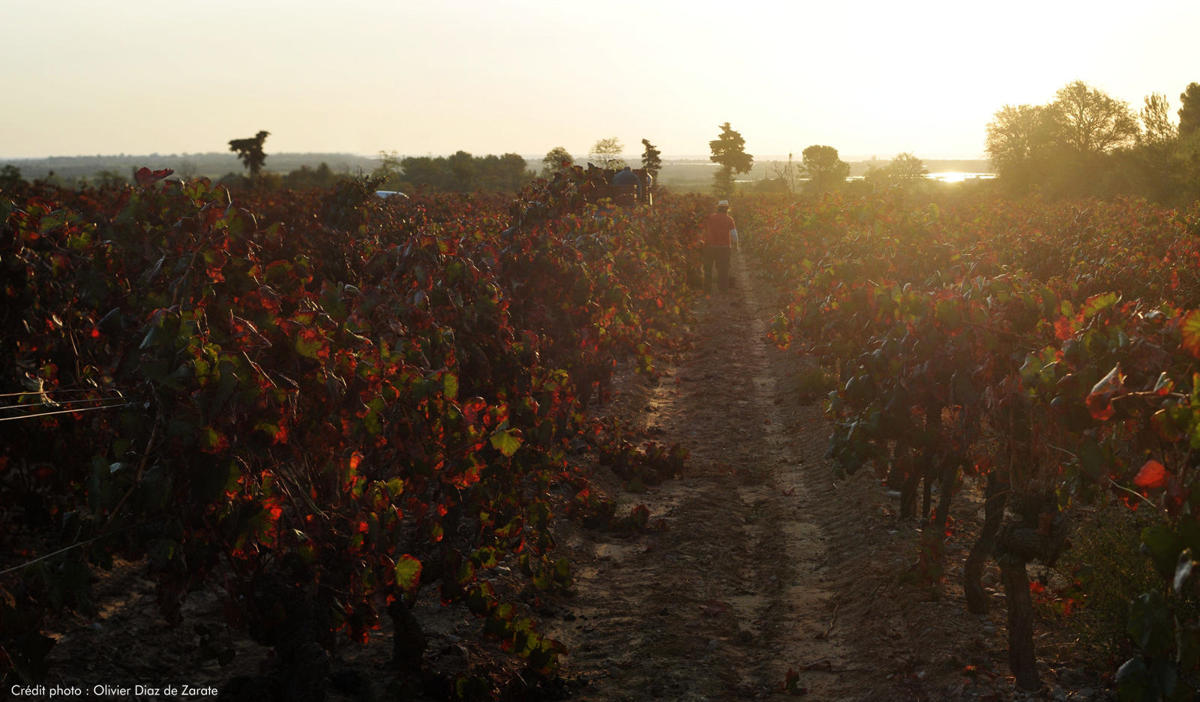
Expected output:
{"points": [[959, 176]]}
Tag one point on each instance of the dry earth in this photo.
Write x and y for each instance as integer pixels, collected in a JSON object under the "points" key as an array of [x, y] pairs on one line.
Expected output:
{"points": [[732, 590], [768, 565]]}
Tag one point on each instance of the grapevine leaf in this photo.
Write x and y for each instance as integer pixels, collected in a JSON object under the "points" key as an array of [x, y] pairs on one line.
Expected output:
{"points": [[210, 439], [1063, 329], [308, 344], [474, 410], [395, 487], [408, 573], [1150, 624], [1164, 546], [1099, 400], [1164, 385], [146, 177], [1164, 423], [507, 441], [1189, 328], [1098, 303], [1151, 476]]}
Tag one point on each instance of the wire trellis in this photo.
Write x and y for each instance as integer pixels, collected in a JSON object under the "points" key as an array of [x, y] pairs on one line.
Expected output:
{"points": [[43, 403]]}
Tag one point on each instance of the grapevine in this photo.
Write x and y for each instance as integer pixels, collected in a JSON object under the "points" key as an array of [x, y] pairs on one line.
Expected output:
{"points": [[1046, 351]]}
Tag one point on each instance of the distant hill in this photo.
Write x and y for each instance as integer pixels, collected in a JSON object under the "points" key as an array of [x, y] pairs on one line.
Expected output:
{"points": [[211, 165]]}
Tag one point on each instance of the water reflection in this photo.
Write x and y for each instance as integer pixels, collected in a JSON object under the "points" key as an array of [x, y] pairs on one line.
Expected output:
{"points": [[944, 176], [959, 176]]}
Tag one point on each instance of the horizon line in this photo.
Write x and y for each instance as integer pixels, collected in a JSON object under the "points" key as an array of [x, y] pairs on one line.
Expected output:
{"points": [[528, 157]]}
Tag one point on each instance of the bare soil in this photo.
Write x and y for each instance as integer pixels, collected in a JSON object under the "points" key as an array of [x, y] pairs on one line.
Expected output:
{"points": [[770, 578], [763, 576], [731, 591]]}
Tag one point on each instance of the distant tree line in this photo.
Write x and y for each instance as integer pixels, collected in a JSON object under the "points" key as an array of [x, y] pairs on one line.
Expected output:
{"points": [[821, 169], [1087, 143], [460, 172], [1083, 143], [297, 179], [303, 177], [72, 171], [605, 154]]}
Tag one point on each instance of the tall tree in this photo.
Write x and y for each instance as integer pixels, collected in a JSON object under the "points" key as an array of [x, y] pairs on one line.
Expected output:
{"points": [[426, 171], [250, 151], [728, 151], [463, 171], [1157, 127], [1153, 169], [607, 153], [1021, 141], [651, 158], [1189, 113], [907, 168], [1189, 133], [10, 177], [390, 171], [1094, 122], [504, 173], [903, 171], [824, 169], [556, 159]]}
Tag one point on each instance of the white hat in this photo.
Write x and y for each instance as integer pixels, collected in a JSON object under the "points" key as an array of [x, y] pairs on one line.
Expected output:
{"points": [[723, 203]]}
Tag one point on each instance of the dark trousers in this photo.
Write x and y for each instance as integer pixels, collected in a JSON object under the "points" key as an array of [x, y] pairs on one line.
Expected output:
{"points": [[715, 256]]}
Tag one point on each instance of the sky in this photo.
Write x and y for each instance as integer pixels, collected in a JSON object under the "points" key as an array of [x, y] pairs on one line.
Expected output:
{"points": [[86, 77]]}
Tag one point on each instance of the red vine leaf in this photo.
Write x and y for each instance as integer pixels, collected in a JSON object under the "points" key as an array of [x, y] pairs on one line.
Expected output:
{"points": [[146, 177], [1152, 475], [1099, 400]]}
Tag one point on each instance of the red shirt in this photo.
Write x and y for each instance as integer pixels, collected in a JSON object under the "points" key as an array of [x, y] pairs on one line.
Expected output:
{"points": [[717, 227]]}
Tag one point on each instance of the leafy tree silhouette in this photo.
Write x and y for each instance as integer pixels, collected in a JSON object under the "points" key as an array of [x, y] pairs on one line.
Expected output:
{"points": [[1189, 113], [824, 169], [729, 151], [250, 151], [651, 158]]}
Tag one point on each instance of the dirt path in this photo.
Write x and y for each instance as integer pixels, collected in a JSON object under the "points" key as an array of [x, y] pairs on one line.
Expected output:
{"points": [[734, 591], [770, 563]]}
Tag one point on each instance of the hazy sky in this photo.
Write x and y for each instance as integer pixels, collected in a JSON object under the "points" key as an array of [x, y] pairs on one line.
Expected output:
{"points": [[494, 76]]}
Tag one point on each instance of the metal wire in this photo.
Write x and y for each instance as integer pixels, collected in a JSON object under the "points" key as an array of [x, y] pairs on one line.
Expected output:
{"points": [[56, 392], [78, 544], [63, 403], [66, 411], [110, 398]]}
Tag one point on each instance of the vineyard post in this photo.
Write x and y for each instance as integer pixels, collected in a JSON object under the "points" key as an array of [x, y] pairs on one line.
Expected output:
{"points": [[408, 639], [916, 466], [995, 499], [1021, 658]]}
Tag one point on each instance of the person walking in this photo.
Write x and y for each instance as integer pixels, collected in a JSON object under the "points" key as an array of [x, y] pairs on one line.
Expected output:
{"points": [[720, 236]]}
